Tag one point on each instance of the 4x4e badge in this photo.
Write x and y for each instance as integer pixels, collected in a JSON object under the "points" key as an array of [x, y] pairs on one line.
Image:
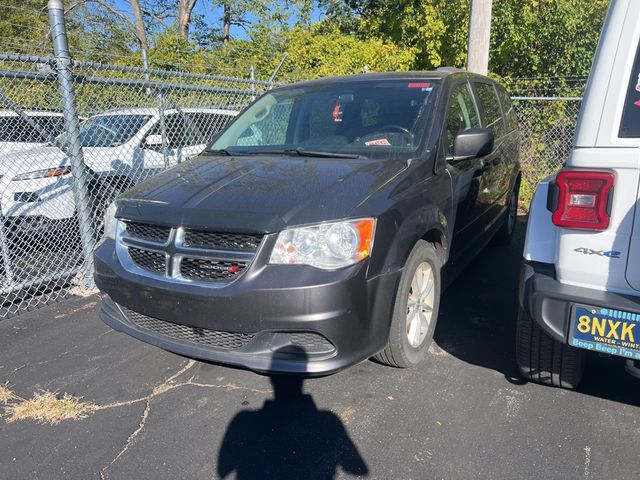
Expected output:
{"points": [[600, 253]]}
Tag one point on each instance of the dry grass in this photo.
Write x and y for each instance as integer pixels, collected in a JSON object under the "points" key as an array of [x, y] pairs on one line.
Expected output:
{"points": [[6, 395], [48, 407]]}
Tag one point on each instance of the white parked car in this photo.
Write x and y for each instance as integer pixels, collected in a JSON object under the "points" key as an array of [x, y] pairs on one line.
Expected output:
{"points": [[120, 149], [580, 289], [16, 133]]}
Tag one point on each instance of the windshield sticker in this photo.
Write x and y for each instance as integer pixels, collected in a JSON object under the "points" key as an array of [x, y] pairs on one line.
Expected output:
{"points": [[638, 84], [337, 113], [382, 142]]}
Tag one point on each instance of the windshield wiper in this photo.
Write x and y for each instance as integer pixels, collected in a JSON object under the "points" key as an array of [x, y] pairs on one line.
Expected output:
{"points": [[303, 153], [312, 153], [223, 151]]}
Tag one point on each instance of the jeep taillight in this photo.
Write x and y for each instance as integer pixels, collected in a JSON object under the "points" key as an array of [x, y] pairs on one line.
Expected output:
{"points": [[582, 199]]}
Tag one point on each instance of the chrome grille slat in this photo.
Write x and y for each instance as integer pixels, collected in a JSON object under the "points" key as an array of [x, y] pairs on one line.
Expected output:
{"points": [[184, 255]]}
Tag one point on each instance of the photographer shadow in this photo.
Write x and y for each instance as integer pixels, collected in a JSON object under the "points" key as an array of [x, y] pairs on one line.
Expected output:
{"points": [[289, 437]]}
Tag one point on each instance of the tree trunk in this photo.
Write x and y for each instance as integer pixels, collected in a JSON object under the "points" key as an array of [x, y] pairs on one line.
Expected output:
{"points": [[141, 32], [185, 9], [226, 22]]}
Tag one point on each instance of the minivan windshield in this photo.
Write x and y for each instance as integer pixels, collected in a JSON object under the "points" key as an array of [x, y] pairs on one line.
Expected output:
{"points": [[342, 119], [107, 130]]}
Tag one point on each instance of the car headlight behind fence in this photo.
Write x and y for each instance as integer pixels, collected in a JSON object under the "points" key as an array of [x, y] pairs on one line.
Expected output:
{"points": [[46, 173], [327, 245], [110, 221]]}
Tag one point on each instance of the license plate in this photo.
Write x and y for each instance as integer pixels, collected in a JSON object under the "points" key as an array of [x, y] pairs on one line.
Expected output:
{"points": [[605, 330]]}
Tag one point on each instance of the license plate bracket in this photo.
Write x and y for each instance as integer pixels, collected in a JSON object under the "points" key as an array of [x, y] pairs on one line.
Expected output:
{"points": [[605, 330]]}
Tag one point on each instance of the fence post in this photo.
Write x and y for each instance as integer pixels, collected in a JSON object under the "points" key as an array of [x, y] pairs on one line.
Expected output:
{"points": [[79, 170], [252, 77], [163, 131]]}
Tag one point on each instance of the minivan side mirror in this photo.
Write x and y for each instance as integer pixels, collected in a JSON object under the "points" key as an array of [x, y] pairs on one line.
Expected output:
{"points": [[472, 143], [153, 141]]}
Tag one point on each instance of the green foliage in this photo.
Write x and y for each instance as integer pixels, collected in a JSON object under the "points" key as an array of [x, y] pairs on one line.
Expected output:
{"points": [[324, 51], [529, 37], [549, 38], [435, 30]]}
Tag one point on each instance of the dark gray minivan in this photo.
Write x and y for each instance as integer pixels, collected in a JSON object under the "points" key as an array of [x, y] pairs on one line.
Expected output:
{"points": [[315, 230]]}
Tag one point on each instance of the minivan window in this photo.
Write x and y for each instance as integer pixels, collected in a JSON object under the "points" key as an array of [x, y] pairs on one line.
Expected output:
{"points": [[507, 107], [630, 125], [491, 113], [367, 118], [461, 115]]}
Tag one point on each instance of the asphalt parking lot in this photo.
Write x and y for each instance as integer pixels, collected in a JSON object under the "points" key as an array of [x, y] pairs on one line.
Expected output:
{"points": [[463, 414]]}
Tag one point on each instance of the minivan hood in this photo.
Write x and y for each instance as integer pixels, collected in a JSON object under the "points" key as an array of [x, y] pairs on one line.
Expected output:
{"points": [[255, 194]]}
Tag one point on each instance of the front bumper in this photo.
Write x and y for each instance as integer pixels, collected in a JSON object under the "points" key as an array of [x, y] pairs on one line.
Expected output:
{"points": [[287, 319], [548, 302]]}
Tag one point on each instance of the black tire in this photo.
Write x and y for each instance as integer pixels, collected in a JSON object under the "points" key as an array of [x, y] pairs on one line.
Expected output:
{"points": [[542, 359], [399, 352], [505, 234]]}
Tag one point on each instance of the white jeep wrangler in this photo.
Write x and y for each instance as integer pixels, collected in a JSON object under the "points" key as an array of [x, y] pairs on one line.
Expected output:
{"points": [[580, 285]]}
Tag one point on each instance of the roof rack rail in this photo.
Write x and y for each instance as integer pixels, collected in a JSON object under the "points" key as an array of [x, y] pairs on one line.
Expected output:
{"points": [[450, 69]]}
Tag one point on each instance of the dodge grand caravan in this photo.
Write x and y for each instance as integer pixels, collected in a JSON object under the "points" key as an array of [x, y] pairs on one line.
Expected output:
{"points": [[319, 221]]}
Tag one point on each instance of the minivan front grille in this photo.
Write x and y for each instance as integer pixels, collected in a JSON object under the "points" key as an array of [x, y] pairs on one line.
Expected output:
{"points": [[185, 255], [200, 239], [148, 260], [210, 269], [198, 335], [150, 233]]}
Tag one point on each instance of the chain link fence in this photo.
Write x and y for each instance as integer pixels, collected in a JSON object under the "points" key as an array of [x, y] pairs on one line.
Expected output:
{"points": [[547, 125], [75, 134]]}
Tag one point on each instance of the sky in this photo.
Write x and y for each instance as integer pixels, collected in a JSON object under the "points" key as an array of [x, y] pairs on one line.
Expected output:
{"points": [[212, 15]]}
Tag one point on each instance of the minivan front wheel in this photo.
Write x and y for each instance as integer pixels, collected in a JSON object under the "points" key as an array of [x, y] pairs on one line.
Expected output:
{"points": [[416, 308]]}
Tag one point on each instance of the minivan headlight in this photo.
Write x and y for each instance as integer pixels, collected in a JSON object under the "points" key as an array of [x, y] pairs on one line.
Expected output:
{"points": [[327, 245], [110, 221]]}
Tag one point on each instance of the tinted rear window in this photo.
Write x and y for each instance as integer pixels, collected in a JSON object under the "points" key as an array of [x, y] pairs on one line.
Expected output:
{"points": [[630, 126]]}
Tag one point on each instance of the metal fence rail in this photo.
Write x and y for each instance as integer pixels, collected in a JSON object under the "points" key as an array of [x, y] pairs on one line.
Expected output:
{"points": [[547, 125], [74, 135]]}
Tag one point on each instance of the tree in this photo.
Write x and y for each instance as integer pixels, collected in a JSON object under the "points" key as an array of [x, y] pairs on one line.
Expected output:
{"points": [[529, 37], [140, 29], [183, 17], [234, 14], [550, 38]]}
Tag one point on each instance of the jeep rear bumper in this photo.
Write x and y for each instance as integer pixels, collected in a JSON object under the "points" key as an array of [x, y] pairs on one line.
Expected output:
{"points": [[548, 302]]}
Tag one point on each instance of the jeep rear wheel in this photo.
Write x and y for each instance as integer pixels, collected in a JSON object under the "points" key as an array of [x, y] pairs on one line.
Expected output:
{"points": [[544, 360], [415, 310]]}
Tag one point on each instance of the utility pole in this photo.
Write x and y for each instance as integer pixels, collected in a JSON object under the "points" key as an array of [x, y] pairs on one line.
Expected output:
{"points": [[479, 36]]}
